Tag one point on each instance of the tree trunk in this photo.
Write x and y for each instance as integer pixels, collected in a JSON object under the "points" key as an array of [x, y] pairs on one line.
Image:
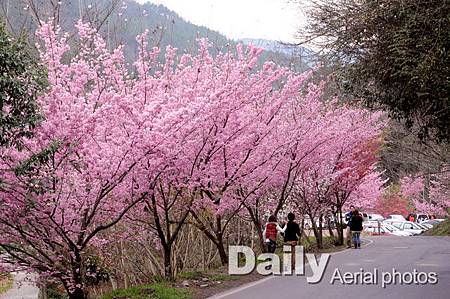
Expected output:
{"points": [[320, 242], [317, 234], [219, 236], [215, 234], [259, 232], [78, 294], [43, 293], [168, 271], [76, 287], [340, 226], [221, 248], [330, 229]]}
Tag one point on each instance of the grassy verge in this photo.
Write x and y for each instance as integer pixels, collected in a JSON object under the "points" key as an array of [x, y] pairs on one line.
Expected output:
{"points": [[6, 282], [441, 229], [151, 291], [199, 275], [328, 243]]}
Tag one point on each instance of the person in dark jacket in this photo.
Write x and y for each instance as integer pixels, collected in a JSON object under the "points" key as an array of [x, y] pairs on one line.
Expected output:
{"points": [[348, 218], [291, 235], [356, 227]]}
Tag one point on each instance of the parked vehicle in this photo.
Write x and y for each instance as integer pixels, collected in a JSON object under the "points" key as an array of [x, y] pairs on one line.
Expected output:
{"points": [[375, 217], [432, 222], [387, 229], [372, 223], [384, 227], [407, 226], [422, 217], [427, 226], [396, 231], [396, 217]]}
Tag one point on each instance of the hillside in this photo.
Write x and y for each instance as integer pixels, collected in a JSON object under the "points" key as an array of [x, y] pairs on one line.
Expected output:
{"points": [[302, 53], [121, 21]]}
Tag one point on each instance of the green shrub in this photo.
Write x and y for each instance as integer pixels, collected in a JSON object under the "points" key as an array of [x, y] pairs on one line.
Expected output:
{"points": [[441, 229]]}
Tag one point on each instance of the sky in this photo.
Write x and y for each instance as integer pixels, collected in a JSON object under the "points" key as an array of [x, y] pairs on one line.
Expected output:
{"points": [[268, 19]]}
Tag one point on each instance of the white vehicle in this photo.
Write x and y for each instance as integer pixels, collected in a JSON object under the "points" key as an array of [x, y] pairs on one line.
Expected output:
{"points": [[396, 217], [375, 217], [384, 228], [395, 231], [390, 230], [424, 226], [371, 223], [407, 226], [427, 225], [422, 217], [430, 223]]}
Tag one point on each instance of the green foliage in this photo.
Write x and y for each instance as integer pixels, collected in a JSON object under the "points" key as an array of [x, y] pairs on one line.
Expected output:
{"points": [[310, 243], [196, 275], [394, 55], [55, 291], [32, 163], [441, 229], [154, 291], [6, 282], [21, 80]]}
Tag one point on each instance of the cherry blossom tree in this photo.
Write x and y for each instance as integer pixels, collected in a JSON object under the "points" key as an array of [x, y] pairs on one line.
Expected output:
{"points": [[339, 167], [392, 202], [76, 178], [107, 140], [414, 188], [198, 138]]}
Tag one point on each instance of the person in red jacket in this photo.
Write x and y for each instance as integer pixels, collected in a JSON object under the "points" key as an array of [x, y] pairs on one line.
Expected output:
{"points": [[270, 233]]}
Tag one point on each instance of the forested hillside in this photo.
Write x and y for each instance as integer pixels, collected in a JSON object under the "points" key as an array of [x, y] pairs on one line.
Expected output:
{"points": [[121, 21]]}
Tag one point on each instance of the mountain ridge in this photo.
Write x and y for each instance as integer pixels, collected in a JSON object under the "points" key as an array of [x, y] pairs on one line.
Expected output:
{"points": [[122, 23]]}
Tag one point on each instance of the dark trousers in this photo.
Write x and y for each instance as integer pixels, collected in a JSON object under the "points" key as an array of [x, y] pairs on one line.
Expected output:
{"points": [[271, 246]]}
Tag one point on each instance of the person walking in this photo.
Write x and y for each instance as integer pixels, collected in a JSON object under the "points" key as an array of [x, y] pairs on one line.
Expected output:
{"points": [[291, 235], [348, 218], [270, 233], [356, 227]]}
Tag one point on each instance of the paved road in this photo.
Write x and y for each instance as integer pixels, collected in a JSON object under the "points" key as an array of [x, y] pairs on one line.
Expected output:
{"points": [[23, 288], [425, 254]]}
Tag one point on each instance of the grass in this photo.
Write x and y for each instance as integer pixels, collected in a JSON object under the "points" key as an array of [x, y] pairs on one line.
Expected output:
{"points": [[197, 275], [6, 282], [310, 244], [152, 291], [441, 229]]}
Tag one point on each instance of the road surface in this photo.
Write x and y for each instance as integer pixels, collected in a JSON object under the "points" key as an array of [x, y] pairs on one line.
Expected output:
{"points": [[425, 254], [23, 288]]}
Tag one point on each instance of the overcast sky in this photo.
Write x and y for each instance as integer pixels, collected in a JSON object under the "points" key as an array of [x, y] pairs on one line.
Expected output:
{"points": [[268, 19]]}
